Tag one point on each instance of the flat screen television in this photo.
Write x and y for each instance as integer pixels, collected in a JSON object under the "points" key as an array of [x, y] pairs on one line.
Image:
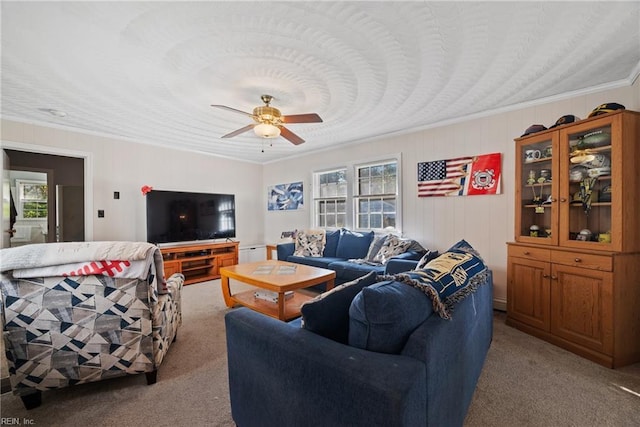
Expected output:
{"points": [[177, 216]]}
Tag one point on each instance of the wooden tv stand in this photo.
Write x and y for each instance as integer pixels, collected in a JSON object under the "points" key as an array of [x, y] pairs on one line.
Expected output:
{"points": [[199, 262]]}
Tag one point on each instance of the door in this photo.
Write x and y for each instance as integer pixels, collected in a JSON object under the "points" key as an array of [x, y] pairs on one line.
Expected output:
{"points": [[536, 196], [5, 213], [582, 309], [528, 293], [70, 213]]}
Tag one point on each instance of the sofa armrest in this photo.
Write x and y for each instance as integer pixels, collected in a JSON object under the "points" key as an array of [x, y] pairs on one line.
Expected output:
{"points": [[282, 375], [285, 250], [400, 265]]}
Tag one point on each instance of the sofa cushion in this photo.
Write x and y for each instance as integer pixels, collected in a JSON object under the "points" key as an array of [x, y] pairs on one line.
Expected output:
{"points": [[328, 313], [347, 270], [393, 245], [310, 243], [321, 262], [331, 243], [382, 316], [448, 278], [353, 245]]}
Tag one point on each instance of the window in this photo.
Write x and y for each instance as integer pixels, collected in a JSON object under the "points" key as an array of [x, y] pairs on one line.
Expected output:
{"points": [[32, 199], [376, 194], [359, 196], [331, 198]]}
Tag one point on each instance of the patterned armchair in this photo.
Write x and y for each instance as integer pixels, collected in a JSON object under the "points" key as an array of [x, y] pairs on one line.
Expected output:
{"points": [[76, 321]]}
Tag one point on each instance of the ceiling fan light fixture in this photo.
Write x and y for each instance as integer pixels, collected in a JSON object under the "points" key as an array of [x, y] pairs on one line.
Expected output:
{"points": [[266, 130]]}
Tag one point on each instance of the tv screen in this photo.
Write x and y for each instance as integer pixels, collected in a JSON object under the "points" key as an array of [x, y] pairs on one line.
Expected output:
{"points": [[175, 216]]}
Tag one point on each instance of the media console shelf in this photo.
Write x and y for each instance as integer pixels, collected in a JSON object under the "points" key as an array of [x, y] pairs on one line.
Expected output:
{"points": [[199, 262]]}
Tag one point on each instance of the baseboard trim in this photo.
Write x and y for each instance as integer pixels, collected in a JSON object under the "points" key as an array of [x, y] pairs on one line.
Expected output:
{"points": [[500, 304]]}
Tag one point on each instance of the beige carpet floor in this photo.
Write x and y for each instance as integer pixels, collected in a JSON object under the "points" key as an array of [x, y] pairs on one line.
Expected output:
{"points": [[525, 382]]}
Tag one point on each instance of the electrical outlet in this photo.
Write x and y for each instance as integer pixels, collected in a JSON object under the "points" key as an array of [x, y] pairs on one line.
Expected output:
{"points": [[116, 195], [100, 213]]}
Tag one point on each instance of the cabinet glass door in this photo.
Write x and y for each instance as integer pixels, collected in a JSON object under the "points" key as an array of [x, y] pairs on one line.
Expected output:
{"points": [[586, 213], [536, 216]]}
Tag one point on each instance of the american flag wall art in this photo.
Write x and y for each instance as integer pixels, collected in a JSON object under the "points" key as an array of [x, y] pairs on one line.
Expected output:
{"points": [[462, 176]]}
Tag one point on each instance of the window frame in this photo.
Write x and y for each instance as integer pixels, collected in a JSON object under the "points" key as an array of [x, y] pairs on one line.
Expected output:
{"points": [[351, 175], [318, 198], [21, 201], [372, 197]]}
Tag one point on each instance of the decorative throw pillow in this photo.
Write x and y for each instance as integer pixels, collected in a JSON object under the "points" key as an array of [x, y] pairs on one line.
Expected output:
{"points": [[448, 278], [353, 245], [328, 313], [375, 246], [331, 243], [392, 246], [310, 243], [383, 316], [428, 256]]}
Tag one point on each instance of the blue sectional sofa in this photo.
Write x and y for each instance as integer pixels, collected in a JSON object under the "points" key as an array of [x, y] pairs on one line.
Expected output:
{"points": [[344, 245], [383, 355]]}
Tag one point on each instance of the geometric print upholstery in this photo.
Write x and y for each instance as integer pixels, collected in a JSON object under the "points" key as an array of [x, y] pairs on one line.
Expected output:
{"points": [[61, 331]]}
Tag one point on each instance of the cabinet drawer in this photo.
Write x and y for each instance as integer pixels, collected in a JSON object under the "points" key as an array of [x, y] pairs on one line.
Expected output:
{"points": [[538, 254], [576, 259]]}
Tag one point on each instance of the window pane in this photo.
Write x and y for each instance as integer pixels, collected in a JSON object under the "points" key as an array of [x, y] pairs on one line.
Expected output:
{"points": [[363, 221], [331, 207], [389, 205], [331, 221], [34, 191], [375, 221], [376, 186], [341, 220], [364, 187], [377, 170], [342, 189], [341, 206], [363, 206], [389, 220]]}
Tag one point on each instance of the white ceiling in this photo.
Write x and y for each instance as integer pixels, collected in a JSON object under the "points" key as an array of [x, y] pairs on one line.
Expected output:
{"points": [[148, 71]]}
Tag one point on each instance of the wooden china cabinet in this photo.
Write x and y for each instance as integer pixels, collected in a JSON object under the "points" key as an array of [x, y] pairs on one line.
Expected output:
{"points": [[573, 271]]}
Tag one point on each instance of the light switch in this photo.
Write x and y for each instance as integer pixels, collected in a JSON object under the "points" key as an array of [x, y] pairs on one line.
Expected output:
{"points": [[100, 213]]}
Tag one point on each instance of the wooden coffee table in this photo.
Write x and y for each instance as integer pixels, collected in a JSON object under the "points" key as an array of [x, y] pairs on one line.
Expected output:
{"points": [[275, 276]]}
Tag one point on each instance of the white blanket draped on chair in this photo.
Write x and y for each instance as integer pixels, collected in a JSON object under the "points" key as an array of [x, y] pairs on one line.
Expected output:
{"points": [[114, 259]]}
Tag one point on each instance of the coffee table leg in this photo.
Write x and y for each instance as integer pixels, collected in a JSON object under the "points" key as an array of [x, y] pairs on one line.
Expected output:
{"points": [[330, 284], [226, 291], [281, 305]]}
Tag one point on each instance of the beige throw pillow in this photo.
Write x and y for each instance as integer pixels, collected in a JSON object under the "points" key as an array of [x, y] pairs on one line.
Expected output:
{"points": [[310, 243], [392, 246]]}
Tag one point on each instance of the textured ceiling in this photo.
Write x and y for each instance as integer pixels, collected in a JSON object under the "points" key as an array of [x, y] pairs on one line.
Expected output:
{"points": [[149, 71]]}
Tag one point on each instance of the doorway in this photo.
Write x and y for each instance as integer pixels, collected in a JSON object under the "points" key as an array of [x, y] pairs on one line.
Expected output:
{"points": [[66, 201]]}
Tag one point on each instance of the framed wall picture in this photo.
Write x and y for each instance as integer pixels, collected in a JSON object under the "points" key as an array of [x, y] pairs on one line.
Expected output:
{"points": [[285, 197]]}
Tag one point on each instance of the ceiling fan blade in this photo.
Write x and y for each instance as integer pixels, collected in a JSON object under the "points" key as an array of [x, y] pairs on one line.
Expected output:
{"points": [[286, 133], [302, 118], [232, 109], [239, 131]]}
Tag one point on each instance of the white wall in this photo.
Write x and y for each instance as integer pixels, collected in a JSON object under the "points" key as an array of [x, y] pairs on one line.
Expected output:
{"points": [[487, 222], [125, 167], [437, 222]]}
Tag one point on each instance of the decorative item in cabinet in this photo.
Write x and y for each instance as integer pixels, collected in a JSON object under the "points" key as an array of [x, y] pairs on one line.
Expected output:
{"points": [[536, 191], [589, 186]]}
